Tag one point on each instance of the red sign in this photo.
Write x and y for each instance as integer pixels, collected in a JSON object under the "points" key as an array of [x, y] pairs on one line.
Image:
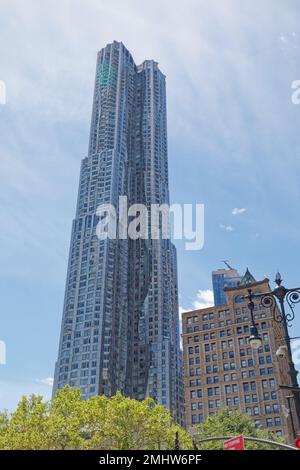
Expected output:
{"points": [[236, 443], [297, 443]]}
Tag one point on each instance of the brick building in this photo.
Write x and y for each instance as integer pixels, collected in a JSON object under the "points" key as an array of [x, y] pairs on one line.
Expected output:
{"points": [[221, 369]]}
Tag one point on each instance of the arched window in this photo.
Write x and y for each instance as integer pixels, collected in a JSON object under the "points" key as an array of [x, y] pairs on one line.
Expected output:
{"points": [[239, 298]]}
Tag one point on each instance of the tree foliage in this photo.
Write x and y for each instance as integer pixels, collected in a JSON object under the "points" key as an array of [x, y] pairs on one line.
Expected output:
{"points": [[228, 423], [117, 423], [68, 422]]}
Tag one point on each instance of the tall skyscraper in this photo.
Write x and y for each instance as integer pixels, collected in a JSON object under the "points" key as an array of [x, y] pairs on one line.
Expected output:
{"points": [[221, 369], [120, 326], [224, 278]]}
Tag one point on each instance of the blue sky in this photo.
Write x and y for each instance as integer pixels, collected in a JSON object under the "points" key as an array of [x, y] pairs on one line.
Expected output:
{"points": [[234, 142]]}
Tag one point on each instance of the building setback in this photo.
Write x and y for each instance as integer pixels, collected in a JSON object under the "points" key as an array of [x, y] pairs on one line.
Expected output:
{"points": [[221, 369], [120, 327]]}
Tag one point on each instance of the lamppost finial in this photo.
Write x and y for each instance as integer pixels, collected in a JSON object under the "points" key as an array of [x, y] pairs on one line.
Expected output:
{"points": [[278, 279]]}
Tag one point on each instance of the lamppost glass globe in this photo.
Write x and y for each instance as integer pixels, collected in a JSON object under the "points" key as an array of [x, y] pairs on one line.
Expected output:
{"points": [[255, 343], [255, 340]]}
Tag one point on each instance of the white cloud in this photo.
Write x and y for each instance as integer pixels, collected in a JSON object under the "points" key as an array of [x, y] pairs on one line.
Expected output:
{"points": [[283, 38], [237, 211], [205, 299], [46, 381], [289, 40], [228, 228]]}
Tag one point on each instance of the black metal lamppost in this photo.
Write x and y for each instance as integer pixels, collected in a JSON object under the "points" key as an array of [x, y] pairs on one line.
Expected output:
{"points": [[270, 300]]}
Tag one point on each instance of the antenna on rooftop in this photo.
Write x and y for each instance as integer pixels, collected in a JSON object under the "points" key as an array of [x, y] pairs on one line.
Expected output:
{"points": [[226, 262]]}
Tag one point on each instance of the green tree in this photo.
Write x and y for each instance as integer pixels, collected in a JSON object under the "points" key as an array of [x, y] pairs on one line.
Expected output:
{"points": [[4, 423], [25, 428], [68, 422], [133, 424], [227, 423]]}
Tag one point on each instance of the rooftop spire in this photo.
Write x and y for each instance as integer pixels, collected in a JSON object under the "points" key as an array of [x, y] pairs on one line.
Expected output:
{"points": [[247, 279]]}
